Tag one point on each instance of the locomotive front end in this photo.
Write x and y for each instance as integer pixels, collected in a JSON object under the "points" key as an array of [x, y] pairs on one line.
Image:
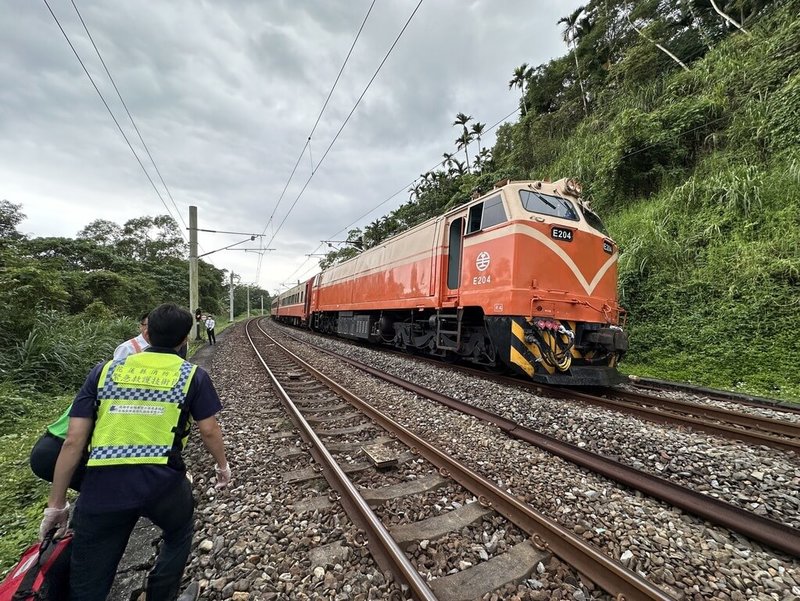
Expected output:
{"points": [[561, 322]]}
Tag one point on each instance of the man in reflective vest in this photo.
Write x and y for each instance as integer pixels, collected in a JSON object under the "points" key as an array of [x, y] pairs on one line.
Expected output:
{"points": [[135, 414]]}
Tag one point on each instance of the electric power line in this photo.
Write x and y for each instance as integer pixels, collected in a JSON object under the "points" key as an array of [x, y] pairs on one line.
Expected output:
{"points": [[135, 127], [110, 112], [383, 202], [344, 123], [313, 129]]}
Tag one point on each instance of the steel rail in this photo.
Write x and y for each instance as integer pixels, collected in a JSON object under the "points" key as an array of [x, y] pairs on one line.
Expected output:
{"points": [[546, 533], [669, 417], [383, 547], [714, 394], [763, 424], [765, 530]]}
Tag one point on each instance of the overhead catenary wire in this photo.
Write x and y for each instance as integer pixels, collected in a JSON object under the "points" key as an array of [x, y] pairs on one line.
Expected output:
{"points": [[314, 128], [110, 112], [344, 123], [125, 106]]}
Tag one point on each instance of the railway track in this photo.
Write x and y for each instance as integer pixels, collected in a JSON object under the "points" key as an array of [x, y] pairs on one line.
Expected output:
{"points": [[721, 396], [759, 528], [322, 410], [746, 427]]}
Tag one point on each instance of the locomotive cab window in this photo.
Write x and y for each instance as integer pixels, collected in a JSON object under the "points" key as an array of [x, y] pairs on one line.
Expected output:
{"points": [[593, 220], [486, 214], [546, 204]]}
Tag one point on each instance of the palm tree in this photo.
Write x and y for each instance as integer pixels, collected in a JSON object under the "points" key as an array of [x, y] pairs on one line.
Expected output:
{"points": [[462, 119], [483, 157], [570, 34], [463, 142], [477, 130], [457, 168], [521, 75], [448, 159]]}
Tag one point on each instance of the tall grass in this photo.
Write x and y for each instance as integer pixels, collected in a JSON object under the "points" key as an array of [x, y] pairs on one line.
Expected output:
{"points": [[60, 349]]}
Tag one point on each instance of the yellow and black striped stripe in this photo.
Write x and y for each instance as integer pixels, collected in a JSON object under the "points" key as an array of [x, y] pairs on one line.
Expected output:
{"points": [[525, 356]]}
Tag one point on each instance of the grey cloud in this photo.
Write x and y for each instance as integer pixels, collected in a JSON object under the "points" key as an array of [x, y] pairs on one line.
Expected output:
{"points": [[225, 94]]}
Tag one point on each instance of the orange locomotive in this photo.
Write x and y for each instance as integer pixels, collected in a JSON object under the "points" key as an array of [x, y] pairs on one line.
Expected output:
{"points": [[523, 276]]}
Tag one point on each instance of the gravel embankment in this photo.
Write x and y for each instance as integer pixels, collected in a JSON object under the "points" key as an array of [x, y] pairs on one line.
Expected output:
{"points": [[685, 555]]}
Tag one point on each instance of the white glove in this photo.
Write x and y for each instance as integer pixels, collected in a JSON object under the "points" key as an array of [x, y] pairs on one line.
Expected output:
{"points": [[223, 476], [54, 518]]}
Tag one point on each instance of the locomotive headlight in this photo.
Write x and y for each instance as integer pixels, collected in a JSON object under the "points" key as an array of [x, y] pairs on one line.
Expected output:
{"points": [[574, 187]]}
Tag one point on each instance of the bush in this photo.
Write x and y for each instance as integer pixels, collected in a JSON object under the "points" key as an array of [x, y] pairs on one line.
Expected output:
{"points": [[60, 349]]}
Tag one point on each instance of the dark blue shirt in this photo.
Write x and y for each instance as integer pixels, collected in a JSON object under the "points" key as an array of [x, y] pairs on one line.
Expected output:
{"points": [[114, 488]]}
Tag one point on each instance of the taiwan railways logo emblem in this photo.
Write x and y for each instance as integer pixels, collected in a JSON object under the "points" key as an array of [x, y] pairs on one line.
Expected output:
{"points": [[482, 262]]}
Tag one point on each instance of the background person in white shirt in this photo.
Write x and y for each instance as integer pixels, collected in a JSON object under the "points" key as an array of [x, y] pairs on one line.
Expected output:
{"points": [[134, 345], [210, 323]]}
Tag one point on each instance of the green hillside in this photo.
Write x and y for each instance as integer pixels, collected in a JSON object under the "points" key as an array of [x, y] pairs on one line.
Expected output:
{"points": [[695, 168]]}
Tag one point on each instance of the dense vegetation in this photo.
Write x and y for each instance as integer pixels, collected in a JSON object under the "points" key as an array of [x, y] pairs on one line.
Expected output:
{"points": [[65, 304], [685, 131]]}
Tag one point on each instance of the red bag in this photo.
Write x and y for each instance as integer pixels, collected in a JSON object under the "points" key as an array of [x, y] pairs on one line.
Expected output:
{"points": [[42, 573]]}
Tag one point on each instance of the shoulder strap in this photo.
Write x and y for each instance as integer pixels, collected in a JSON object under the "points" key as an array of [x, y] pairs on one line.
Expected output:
{"points": [[25, 589]]}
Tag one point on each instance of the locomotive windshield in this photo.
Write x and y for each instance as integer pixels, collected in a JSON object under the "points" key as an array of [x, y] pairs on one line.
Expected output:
{"points": [[593, 220], [536, 202]]}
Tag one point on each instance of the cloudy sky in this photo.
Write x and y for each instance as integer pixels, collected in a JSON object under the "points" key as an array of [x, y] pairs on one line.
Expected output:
{"points": [[225, 95]]}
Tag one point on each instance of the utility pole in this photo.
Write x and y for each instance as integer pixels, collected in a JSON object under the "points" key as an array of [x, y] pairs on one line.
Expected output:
{"points": [[194, 294], [262, 305], [248, 302], [231, 297]]}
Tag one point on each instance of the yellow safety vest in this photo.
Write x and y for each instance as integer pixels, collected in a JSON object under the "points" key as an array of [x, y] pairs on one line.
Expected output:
{"points": [[142, 417]]}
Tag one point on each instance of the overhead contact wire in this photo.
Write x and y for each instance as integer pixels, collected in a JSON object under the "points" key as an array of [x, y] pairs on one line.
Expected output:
{"points": [[125, 106], [383, 202], [314, 128], [347, 119], [110, 112]]}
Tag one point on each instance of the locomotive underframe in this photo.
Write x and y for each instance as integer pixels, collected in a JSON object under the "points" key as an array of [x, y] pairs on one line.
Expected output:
{"points": [[467, 334]]}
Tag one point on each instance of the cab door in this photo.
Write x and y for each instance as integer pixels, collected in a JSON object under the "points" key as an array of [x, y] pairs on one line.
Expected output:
{"points": [[452, 271]]}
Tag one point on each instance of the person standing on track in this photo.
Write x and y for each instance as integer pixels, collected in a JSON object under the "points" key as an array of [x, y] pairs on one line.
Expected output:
{"points": [[210, 324], [136, 412]]}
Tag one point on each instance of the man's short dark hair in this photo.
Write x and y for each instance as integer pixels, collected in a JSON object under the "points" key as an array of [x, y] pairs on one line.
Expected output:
{"points": [[168, 325], [144, 316]]}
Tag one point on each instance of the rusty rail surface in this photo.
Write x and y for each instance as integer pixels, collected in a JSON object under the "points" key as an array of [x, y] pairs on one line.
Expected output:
{"points": [[756, 422], [652, 413], [383, 547], [546, 534], [715, 394], [758, 528]]}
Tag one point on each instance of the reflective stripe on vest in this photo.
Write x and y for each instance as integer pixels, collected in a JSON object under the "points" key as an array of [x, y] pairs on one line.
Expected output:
{"points": [[140, 399]]}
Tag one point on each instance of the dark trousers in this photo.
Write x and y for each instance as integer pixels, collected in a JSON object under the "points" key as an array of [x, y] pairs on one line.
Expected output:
{"points": [[100, 540], [211, 338], [43, 460]]}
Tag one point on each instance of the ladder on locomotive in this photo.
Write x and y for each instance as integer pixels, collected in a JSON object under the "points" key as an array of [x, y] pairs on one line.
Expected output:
{"points": [[444, 325]]}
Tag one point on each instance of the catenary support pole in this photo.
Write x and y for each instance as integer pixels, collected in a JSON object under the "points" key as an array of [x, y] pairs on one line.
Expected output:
{"points": [[248, 302], [194, 294], [262, 305], [231, 296]]}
